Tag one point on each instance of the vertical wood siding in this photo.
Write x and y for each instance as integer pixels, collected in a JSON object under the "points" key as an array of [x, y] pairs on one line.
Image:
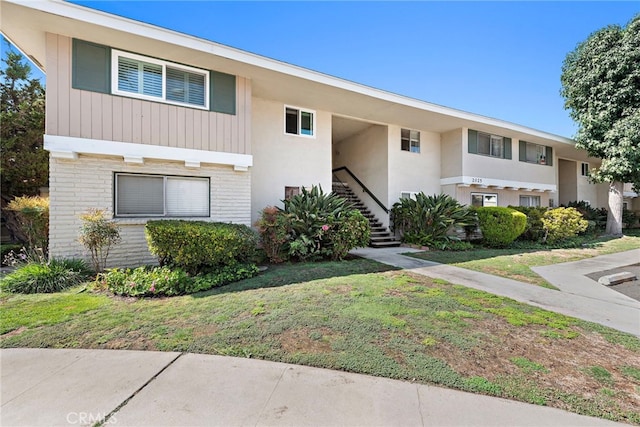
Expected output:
{"points": [[79, 113]]}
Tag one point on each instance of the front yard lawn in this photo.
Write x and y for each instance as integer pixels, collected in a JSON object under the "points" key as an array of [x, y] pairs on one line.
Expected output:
{"points": [[515, 263], [387, 323]]}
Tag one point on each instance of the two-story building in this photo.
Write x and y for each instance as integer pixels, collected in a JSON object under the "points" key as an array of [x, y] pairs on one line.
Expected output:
{"points": [[149, 123]]}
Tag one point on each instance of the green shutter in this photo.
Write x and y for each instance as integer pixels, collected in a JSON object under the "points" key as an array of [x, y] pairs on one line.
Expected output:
{"points": [[507, 148], [91, 67], [549, 156], [473, 141], [223, 93], [523, 151]]}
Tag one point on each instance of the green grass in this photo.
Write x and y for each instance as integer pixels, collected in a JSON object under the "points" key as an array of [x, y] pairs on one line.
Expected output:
{"points": [[366, 320], [516, 263]]}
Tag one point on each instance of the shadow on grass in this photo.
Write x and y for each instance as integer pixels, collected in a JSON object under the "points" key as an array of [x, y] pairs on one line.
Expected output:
{"points": [[290, 273]]}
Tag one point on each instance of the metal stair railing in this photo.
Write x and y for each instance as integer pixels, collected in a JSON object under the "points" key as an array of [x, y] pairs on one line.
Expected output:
{"points": [[361, 184]]}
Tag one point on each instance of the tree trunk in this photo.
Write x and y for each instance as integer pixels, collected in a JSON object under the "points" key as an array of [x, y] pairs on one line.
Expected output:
{"points": [[614, 217]]}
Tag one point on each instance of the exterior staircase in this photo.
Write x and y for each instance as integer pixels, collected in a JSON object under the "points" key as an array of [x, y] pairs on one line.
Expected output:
{"points": [[381, 237]]}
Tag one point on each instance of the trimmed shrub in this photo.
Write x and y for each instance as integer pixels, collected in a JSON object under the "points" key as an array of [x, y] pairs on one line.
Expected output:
{"points": [[197, 246], [164, 281], [428, 220], [98, 234], [534, 230], [563, 223], [499, 225], [53, 276], [313, 225], [33, 216]]}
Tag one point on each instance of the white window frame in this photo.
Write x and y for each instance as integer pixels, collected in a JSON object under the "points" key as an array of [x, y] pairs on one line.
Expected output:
{"points": [[530, 198], [492, 139], [164, 195], [408, 194], [582, 169], [414, 143], [115, 54], [300, 111], [484, 195]]}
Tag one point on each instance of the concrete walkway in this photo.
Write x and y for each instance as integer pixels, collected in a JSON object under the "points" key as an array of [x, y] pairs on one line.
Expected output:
{"points": [[44, 387], [579, 296]]}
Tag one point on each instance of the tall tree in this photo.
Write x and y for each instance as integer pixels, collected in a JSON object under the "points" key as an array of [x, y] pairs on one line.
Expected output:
{"points": [[24, 164], [601, 86]]}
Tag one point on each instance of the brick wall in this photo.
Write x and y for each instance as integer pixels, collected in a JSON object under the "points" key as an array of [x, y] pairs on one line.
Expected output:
{"points": [[78, 185]]}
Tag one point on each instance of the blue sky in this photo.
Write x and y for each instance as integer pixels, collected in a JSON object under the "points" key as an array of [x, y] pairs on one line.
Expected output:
{"points": [[498, 59]]}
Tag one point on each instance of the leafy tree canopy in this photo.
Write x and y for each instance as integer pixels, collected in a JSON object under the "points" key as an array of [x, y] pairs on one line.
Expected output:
{"points": [[24, 164], [601, 87]]}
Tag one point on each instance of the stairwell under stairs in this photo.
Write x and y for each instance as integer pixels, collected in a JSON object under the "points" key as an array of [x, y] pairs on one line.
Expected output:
{"points": [[381, 237]]}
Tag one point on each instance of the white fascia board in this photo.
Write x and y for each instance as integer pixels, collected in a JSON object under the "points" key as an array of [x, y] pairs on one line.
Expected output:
{"points": [[68, 147], [104, 19], [483, 182], [630, 194]]}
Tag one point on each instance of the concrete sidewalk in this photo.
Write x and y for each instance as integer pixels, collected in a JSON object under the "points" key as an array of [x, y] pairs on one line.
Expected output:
{"points": [[44, 387], [579, 296]]}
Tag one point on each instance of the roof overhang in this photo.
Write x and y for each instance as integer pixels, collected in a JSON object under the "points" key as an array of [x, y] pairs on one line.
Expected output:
{"points": [[26, 23]]}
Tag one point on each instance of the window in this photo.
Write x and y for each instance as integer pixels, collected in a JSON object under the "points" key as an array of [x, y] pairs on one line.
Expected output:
{"points": [[410, 140], [289, 192], [535, 153], [408, 195], [585, 169], [530, 201], [157, 195], [490, 145], [479, 199], [299, 122], [155, 80]]}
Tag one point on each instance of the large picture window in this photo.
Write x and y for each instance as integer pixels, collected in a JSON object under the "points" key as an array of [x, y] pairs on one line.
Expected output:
{"points": [[152, 79], [164, 196]]}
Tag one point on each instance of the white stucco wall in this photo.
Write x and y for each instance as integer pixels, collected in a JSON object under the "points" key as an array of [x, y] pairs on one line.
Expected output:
{"points": [[451, 154], [413, 172], [281, 160]]}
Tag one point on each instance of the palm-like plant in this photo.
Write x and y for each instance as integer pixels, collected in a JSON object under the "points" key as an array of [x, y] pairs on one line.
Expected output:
{"points": [[427, 220]]}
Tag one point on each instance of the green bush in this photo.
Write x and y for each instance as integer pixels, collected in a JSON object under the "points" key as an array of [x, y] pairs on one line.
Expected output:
{"points": [[428, 220], [313, 225], [53, 276], [33, 216], [629, 218], [534, 230], [196, 246], [98, 234], [499, 225], [352, 231], [596, 216], [149, 281], [275, 234], [563, 223]]}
